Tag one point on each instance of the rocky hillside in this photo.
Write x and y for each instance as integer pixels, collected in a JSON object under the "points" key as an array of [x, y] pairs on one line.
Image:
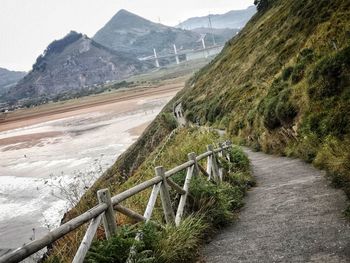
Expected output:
{"points": [[234, 19], [131, 33], [72, 65], [9, 78]]}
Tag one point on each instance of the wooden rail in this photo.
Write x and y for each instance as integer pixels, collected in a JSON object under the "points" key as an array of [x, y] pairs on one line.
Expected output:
{"points": [[105, 210]]}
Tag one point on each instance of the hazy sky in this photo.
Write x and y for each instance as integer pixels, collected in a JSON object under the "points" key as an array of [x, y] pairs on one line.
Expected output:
{"points": [[28, 26]]}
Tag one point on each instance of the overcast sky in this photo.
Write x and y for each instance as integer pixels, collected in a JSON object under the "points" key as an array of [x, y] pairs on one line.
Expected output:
{"points": [[28, 26]]}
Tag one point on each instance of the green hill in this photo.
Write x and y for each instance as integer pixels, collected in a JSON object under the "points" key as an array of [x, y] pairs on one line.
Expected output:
{"points": [[282, 85]]}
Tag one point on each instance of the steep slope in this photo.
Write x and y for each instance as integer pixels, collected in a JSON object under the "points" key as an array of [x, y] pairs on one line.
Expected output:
{"points": [[9, 78], [131, 33], [283, 86], [234, 19], [260, 90], [73, 64]]}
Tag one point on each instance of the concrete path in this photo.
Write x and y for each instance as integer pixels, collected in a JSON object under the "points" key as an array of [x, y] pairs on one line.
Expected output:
{"points": [[291, 216]]}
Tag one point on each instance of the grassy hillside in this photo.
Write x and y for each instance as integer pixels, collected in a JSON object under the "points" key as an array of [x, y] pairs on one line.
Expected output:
{"points": [[282, 85], [209, 207]]}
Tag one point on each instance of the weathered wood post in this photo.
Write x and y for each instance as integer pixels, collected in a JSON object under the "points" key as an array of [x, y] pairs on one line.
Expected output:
{"points": [[190, 172], [109, 220], [228, 143], [214, 165], [164, 195], [220, 154], [152, 201], [87, 240], [209, 164], [192, 157]]}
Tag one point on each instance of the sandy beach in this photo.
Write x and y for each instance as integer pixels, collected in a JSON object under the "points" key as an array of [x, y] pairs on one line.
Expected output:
{"points": [[65, 145]]}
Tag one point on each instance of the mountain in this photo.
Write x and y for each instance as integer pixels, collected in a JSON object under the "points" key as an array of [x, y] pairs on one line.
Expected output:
{"points": [[73, 64], [233, 19], [221, 35], [131, 33], [9, 78], [282, 86]]}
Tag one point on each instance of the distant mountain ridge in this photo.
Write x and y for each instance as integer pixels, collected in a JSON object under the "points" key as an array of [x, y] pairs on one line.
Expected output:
{"points": [[77, 63], [9, 78], [233, 19], [72, 64], [131, 33], [221, 35]]}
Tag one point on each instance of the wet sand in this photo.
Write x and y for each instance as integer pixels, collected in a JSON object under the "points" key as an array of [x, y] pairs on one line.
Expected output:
{"points": [[64, 145], [54, 111]]}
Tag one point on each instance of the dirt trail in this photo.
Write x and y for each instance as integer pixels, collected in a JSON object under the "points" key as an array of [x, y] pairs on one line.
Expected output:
{"points": [[291, 216]]}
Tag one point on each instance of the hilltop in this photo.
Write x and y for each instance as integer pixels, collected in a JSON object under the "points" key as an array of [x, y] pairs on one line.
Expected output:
{"points": [[131, 33], [72, 65]]}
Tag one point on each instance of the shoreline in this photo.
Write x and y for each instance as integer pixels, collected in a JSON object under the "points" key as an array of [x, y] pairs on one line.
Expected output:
{"points": [[46, 149], [55, 111]]}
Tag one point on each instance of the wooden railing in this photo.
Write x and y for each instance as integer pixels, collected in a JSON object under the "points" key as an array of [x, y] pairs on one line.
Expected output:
{"points": [[105, 210]]}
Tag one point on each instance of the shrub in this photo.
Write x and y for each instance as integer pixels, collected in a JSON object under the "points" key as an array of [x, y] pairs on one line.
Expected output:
{"points": [[168, 120], [210, 200], [114, 250], [330, 75], [286, 73], [270, 118], [239, 160], [276, 107], [180, 244], [305, 57], [262, 5], [298, 73], [285, 109]]}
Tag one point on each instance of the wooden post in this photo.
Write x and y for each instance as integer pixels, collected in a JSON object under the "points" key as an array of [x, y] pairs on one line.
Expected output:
{"points": [[147, 215], [228, 143], [192, 157], [221, 170], [164, 195], [152, 201], [182, 203], [109, 221], [209, 166], [87, 240], [214, 165]]}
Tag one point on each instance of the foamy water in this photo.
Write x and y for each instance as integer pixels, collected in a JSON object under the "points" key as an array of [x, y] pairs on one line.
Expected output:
{"points": [[68, 153]]}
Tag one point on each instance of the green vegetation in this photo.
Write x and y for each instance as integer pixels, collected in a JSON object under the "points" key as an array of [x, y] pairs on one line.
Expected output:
{"points": [[282, 85], [209, 207]]}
